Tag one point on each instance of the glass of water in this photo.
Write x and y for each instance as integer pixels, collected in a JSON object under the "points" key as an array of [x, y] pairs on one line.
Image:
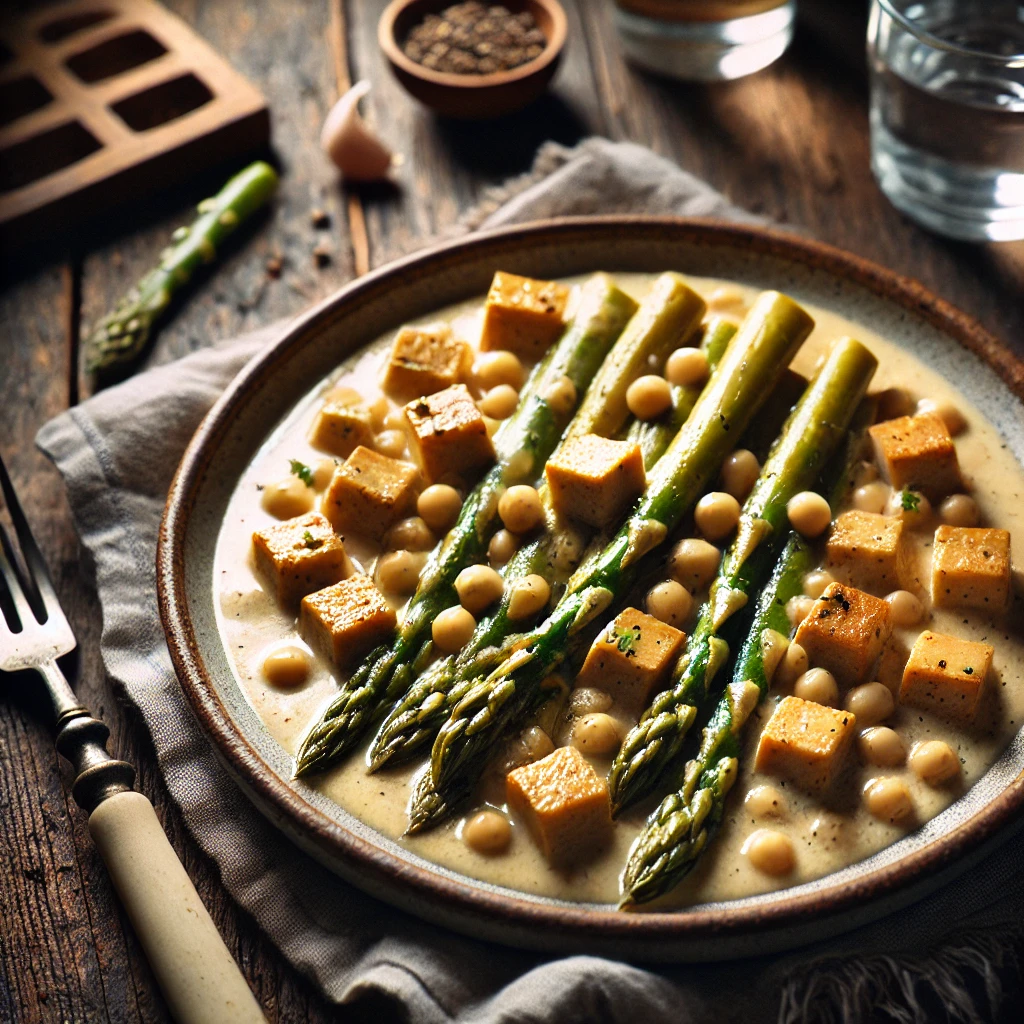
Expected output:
{"points": [[947, 113]]}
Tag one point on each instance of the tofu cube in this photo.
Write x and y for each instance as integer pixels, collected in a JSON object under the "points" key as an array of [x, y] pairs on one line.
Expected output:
{"points": [[449, 434], [632, 659], [917, 452], [565, 805], [341, 427], [523, 315], [369, 493], [845, 632], [971, 568], [424, 360], [595, 480], [299, 556], [805, 743], [346, 621], [946, 675], [867, 550]]}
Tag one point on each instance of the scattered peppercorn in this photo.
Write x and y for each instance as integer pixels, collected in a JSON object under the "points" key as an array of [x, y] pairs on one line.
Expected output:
{"points": [[322, 254], [473, 38], [319, 218]]}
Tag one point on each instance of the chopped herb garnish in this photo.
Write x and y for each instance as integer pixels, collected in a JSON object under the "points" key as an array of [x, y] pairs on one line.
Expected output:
{"points": [[302, 471], [310, 541], [909, 501], [627, 641]]}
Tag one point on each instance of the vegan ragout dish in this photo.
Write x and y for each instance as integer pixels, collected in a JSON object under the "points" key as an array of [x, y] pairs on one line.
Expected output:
{"points": [[641, 589]]}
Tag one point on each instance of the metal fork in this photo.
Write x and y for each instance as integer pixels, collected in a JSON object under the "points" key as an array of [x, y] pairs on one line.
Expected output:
{"points": [[200, 980]]}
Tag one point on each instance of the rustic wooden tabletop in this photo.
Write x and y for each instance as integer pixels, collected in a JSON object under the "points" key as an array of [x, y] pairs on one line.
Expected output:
{"points": [[791, 143]]}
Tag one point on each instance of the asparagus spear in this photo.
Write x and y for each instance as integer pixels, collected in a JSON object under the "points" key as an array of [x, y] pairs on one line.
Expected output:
{"points": [[522, 445], [416, 718], [764, 344], [817, 424], [121, 336], [681, 827]]}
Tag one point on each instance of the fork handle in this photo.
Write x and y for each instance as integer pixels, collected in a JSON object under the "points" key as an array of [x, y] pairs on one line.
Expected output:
{"points": [[197, 975]]}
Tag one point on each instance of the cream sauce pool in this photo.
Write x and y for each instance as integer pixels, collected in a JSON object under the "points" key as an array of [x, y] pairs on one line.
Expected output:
{"points": [[827, 837]]}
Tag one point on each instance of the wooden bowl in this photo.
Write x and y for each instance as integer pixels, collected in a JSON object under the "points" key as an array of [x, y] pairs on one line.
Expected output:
{"points": [[472, 97]]}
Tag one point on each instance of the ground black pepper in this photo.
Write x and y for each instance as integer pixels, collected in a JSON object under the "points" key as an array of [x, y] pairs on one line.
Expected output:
{"points": [[473, 38]]}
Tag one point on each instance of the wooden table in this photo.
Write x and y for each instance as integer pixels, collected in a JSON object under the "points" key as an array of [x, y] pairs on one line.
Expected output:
{"points": [[791, 143]]}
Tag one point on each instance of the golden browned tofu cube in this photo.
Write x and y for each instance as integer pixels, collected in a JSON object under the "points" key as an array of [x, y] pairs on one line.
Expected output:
{"points": [[805, 743], [424, 360], [845, 632], [564, 803], [299, 556], [369, 493], [946, 675], [449, 434], [341, 427], [632, 659], [594, 479], [347, 620], [971, 568], [867, 549], [523, 315], [917, 452]]}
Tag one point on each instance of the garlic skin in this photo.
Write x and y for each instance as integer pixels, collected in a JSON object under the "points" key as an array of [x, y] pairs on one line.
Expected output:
{"points": [[350, 143]]}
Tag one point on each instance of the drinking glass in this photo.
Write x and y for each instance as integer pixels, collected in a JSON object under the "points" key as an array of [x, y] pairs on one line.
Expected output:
{"points": [[947, 113]]}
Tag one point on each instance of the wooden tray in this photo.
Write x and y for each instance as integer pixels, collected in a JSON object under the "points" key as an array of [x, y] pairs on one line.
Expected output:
{"points": [[106, 99]]}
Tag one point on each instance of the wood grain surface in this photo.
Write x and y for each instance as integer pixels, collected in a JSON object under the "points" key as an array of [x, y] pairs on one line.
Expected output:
{"points": [[791, 143]]}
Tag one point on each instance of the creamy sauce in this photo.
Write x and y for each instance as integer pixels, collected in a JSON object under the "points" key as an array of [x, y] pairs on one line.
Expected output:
{"points": [[828, 835]]}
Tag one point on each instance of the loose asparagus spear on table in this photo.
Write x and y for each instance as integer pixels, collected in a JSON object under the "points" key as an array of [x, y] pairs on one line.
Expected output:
{"points": [[120, 337], [680, 829], [766, 341], [814, 429], [522, 445], [416, 718]]}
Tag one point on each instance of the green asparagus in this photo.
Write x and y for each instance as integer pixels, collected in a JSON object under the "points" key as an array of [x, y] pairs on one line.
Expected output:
{"points": [[522, 445], [121, 336], [763, 346], [814, 429]]}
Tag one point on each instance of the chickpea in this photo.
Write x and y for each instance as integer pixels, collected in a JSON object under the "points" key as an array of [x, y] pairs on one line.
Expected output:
{"points": [[287, 498], [398, 572], [793, 665], [598, 734], [395, 420], [865, 473], [798, 608], [694, 563], [818, 685], [500, 402], [410, 534], [586, 700], [520, 509], [934, 762], [816, 581], [287, 667], [905, 608], [716, 515], [809, 513], [870, 702], [670, 602], [740, 473], [881, 746], [770, 852], [727, 297], [439, 506], [687, 367], [487, 832], [452, 628], [561, 397], [911, 506], [530, 745], [495, 368], [342, 394], [478, 586], [530, 595], [391, 443], [888, 799], [379, 410], [765, 802], [323, 470], [871, 497], [502, 547], [956, 422], [959, 510], [893, 403], [648, 397]]}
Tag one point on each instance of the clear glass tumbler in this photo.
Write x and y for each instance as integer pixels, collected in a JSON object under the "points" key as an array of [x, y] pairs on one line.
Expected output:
{"points": [[947, 113], [704, 40]]}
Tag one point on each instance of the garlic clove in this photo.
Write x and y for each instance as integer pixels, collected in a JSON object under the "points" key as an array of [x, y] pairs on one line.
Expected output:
{"points": [[350, 143]]}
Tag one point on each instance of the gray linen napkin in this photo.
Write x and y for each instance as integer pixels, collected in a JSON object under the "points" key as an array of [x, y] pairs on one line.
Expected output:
{"points": [[117, 453]]}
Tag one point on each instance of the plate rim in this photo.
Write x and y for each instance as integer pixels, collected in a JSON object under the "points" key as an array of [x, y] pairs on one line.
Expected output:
{"points": [[380, 872]]}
